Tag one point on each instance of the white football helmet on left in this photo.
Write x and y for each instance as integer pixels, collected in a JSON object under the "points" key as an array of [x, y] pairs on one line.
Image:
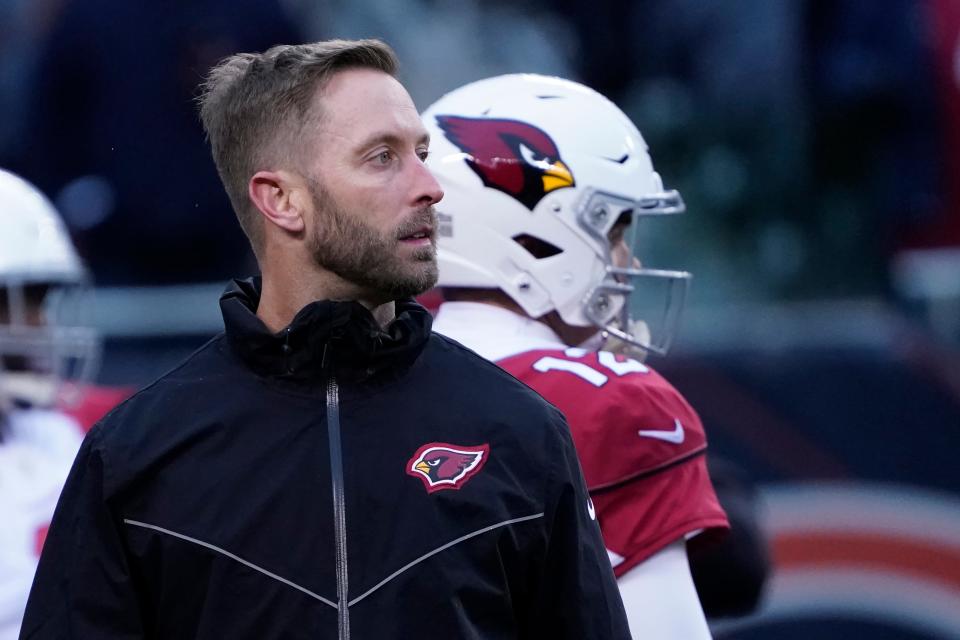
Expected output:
{"points": [[539, 174], [45, 335]]}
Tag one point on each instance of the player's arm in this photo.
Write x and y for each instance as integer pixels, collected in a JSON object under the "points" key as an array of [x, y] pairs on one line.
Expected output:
{"points": [[83, 586], [731, 572], [577, 594], [660, 598]]}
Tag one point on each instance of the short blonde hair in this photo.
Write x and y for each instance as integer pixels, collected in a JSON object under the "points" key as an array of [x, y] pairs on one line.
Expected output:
{"points": [[254, 107]]}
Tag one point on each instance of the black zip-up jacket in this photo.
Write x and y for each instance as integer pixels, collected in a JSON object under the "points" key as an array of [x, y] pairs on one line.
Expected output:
{"points": [[333, 480]]}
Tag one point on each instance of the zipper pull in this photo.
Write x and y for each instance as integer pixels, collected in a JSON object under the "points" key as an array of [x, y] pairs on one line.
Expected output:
{"points": [[324, 363]]}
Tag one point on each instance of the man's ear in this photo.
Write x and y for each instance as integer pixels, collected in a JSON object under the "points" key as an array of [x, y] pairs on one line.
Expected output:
{"points": [[272, 192]]}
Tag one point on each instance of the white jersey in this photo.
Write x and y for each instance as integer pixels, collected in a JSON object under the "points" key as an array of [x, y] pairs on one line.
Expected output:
{"points": [[36, 452]]}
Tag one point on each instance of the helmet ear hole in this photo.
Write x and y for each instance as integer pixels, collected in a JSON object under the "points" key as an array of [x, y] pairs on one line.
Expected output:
{"points": [[537, 247]]}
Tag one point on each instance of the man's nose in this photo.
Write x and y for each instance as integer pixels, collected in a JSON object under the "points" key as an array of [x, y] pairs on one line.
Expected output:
{"points": [[428, 190]]}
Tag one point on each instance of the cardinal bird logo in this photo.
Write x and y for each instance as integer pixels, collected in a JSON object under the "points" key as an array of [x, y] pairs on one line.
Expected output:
{"points": [[447, 466], [510, 156]]}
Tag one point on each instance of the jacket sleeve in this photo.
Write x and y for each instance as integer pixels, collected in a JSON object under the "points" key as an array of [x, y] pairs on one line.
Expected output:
{"points": [[83, 587], [577, 595]]}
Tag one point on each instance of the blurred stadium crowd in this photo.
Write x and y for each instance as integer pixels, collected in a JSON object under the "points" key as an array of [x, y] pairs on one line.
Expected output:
{"points": [[816, 144], [812, 139]]}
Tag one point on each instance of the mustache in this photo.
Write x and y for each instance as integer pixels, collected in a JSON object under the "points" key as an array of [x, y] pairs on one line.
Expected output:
{"points": [[425, 217]]}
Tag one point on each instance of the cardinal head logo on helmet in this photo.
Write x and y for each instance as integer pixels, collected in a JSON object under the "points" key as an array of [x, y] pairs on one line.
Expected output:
{"points": [[514, 157]]}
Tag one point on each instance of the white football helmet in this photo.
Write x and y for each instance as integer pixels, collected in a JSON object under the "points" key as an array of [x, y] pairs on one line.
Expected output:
{"points": [[536, 172], [44, 287]]}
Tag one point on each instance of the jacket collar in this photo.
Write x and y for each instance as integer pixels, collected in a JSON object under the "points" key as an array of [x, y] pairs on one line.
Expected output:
{"points": [[356, 347]]}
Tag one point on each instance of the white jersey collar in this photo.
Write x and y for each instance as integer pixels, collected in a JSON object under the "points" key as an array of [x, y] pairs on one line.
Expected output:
{"points": [[493, 332]]}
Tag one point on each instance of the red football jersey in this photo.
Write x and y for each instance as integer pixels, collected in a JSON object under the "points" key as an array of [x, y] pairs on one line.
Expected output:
{"points": [[641, 446]]}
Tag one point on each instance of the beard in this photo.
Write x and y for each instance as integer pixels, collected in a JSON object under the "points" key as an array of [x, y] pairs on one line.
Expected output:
{"points": [[356, 252]]}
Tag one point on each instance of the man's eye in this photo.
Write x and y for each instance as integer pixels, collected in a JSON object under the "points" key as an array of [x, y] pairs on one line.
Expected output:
{"points": [[384, 157], [423, 154]]}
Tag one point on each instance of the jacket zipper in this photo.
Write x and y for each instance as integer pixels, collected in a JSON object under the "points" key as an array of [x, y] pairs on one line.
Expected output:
{"points": [[339, 503]]}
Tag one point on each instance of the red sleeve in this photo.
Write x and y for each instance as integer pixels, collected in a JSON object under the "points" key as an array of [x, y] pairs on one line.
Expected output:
{"points": [[640, 443], [95, 403], [647, 514]]}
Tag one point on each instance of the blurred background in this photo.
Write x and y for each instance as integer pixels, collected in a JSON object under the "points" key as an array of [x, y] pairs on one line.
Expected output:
{"points": [[816, 143]]}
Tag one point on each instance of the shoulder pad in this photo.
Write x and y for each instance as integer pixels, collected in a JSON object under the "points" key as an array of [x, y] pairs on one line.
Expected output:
{"points": [[627, 420]]}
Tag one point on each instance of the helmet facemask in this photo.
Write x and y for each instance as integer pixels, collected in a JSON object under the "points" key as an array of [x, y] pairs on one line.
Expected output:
{"points": [[626, 286], [47, 349]]}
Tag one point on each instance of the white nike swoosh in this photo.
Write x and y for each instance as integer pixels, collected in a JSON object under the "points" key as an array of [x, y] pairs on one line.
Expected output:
{"points": [[676, 436]]}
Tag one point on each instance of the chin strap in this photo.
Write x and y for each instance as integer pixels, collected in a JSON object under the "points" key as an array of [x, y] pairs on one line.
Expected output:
{"points": [[639, 330], [605, 341]]}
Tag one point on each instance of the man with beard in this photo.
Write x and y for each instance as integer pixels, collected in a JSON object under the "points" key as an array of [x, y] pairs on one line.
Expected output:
{"points": [[326, 467]]}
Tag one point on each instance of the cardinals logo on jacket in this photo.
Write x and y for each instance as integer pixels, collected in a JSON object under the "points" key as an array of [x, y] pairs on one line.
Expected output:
{"points": [[510, 156], [446, 466]]}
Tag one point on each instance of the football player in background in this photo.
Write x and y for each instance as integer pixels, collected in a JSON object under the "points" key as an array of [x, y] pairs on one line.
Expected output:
{"points": [[546, 182], [41, 284]]}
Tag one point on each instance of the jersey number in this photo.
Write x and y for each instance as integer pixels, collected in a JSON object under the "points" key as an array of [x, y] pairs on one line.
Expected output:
{"points": [[584, 371]]}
